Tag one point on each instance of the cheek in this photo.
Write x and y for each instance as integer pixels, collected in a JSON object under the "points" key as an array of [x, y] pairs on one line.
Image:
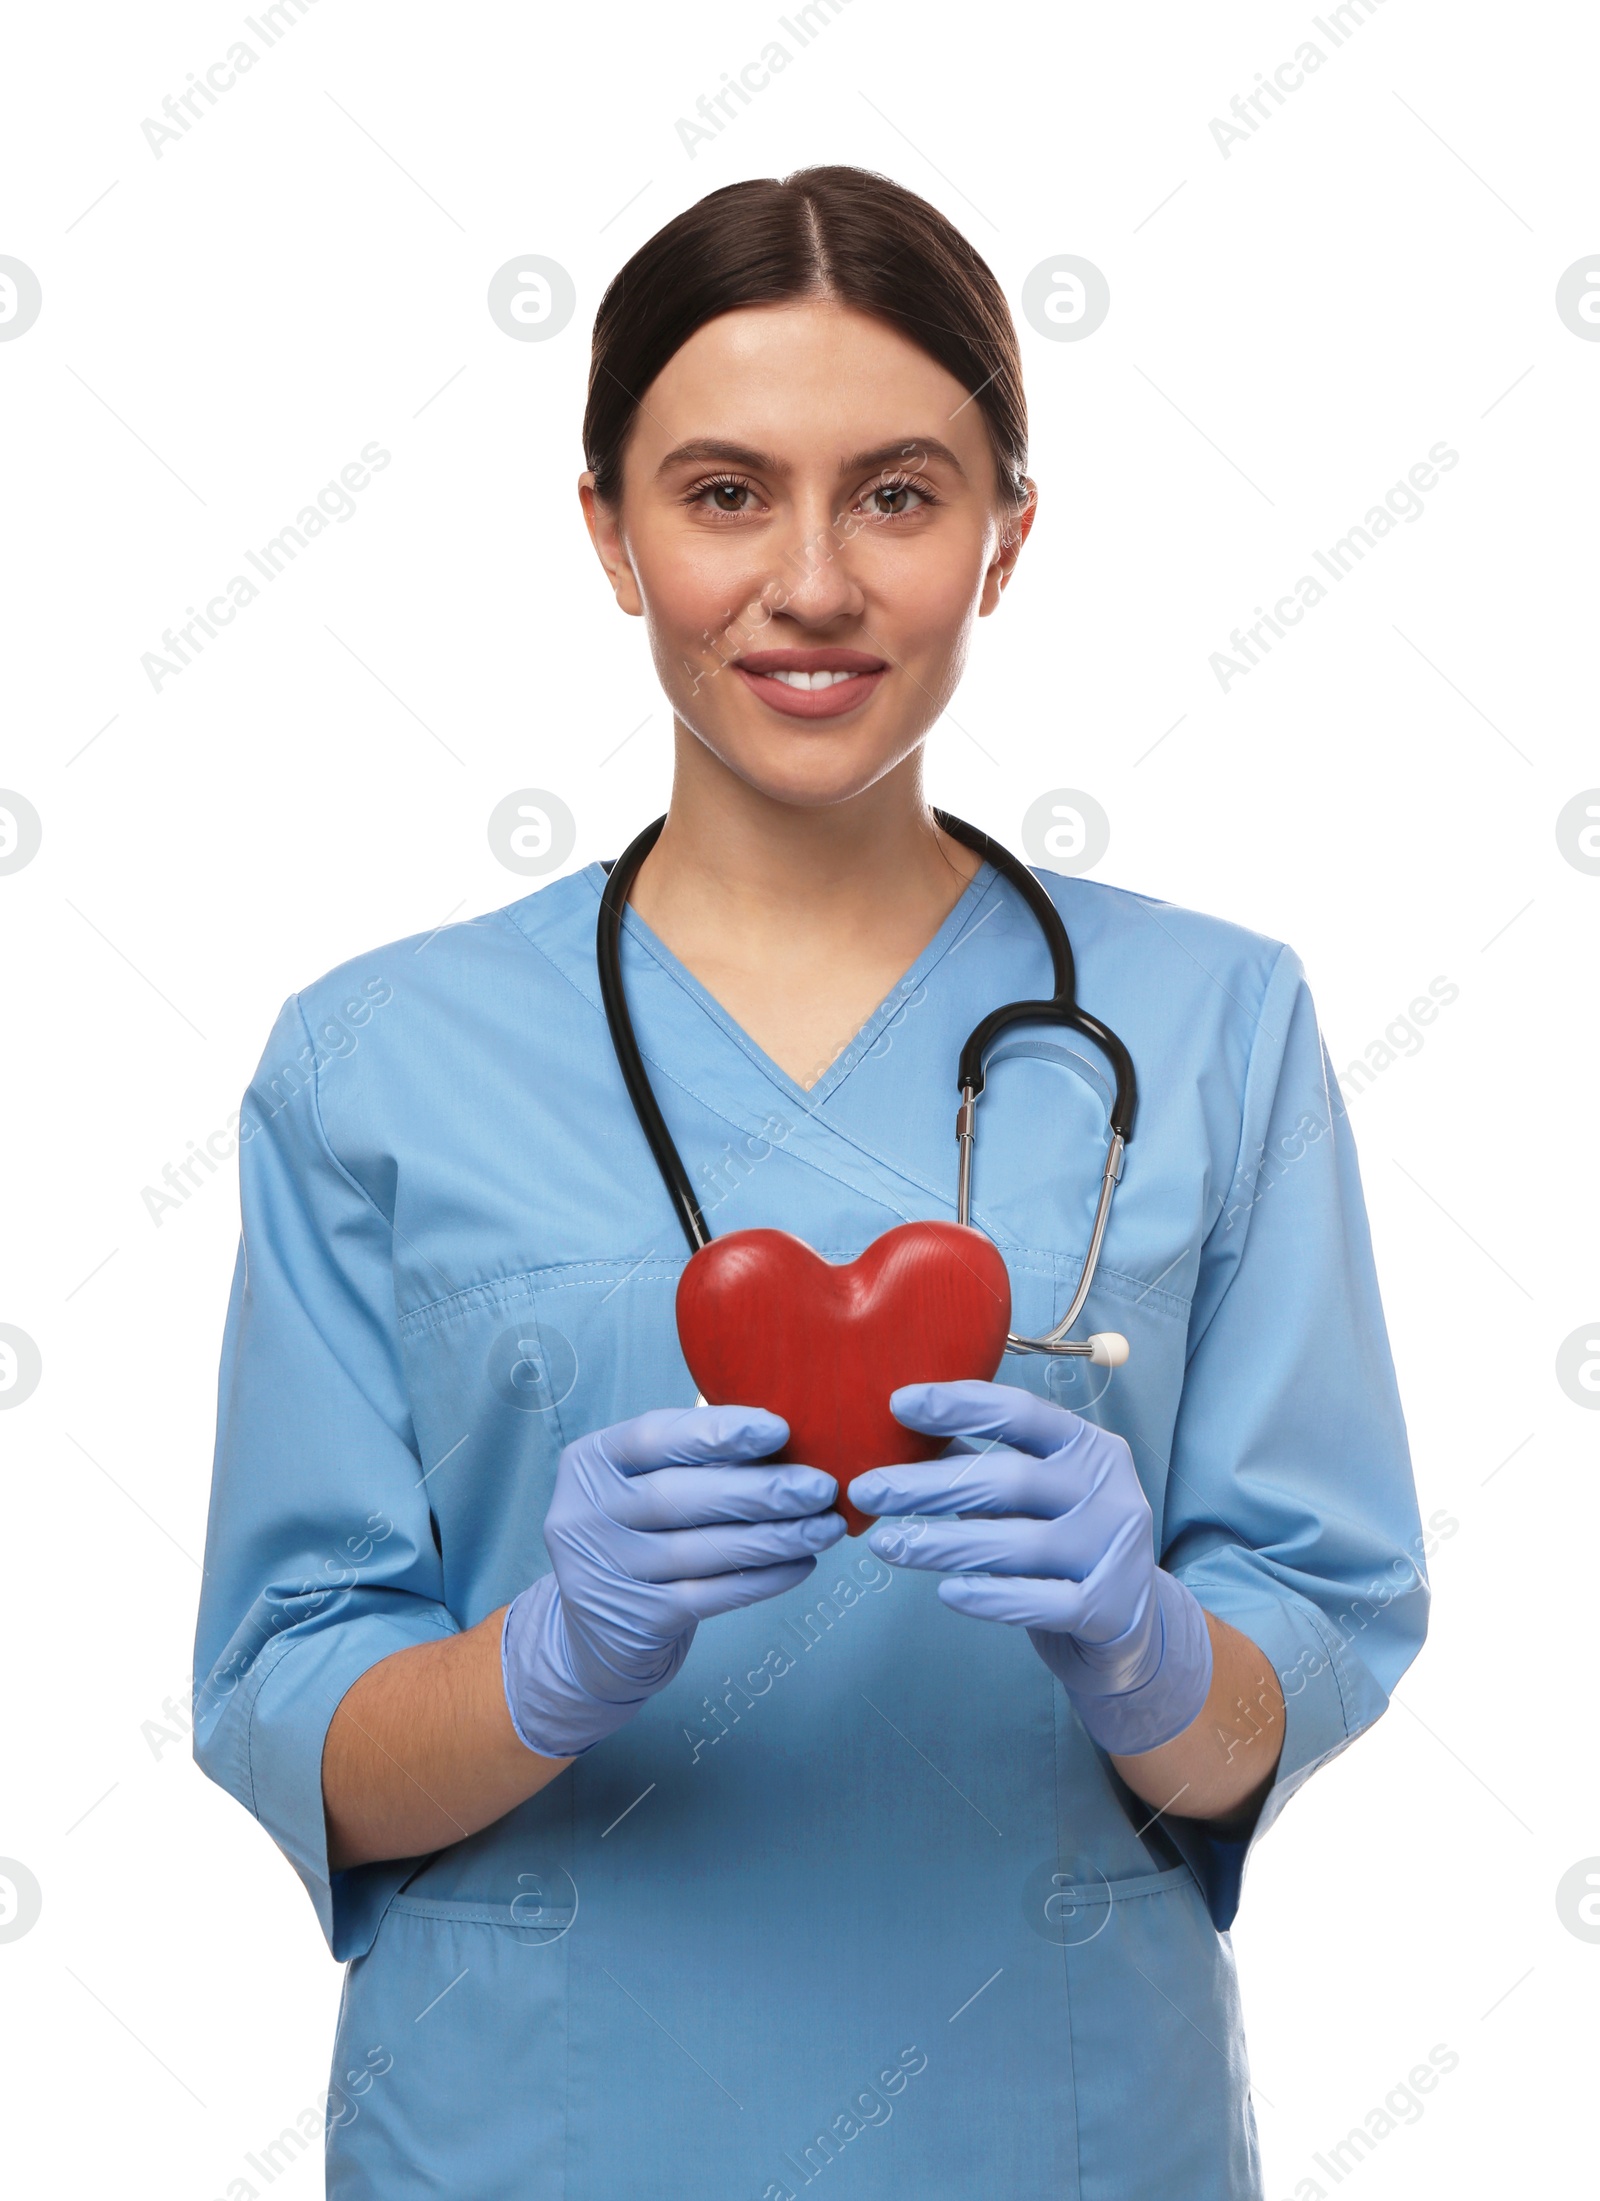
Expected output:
{"points": [[924, 596], [690, 584]]}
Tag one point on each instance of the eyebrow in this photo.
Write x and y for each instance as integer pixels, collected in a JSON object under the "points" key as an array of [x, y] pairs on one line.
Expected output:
{"points": [[762, 462]]}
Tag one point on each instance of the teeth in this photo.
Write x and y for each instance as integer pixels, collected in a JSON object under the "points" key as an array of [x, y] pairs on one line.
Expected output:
{"points": [[811, 680]]}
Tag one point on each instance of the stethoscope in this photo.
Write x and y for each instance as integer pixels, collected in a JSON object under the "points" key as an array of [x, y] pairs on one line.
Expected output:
{"points": [[1107, 1348]]}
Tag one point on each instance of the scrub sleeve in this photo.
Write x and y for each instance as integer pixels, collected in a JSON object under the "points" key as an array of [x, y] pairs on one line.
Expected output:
{"points": [[1287, 1341], [320, 1551]]}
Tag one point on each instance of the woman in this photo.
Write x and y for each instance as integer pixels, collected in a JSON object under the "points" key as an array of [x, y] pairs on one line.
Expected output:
{"points": [[672, 1839]]}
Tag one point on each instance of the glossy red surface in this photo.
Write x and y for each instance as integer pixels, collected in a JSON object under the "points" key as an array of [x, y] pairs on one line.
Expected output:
{"points": [[765, 1321]]}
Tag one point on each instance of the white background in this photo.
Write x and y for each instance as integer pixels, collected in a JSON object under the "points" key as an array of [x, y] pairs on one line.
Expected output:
{"points": [[1371, 272]]}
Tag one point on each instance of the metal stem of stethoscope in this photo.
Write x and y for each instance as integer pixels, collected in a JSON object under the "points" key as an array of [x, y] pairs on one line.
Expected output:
{"points": [[1107, 1348], [1103, 1345]]}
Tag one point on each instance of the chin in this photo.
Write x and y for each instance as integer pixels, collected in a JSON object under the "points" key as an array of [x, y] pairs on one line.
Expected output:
{"points": [[810, 765]]}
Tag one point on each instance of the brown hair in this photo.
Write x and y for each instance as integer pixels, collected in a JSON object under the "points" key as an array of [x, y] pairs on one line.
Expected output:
{"points": [[838, 233]]}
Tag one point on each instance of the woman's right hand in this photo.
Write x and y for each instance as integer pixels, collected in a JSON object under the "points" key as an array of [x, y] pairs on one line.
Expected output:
{"points": [[654, 1525]]}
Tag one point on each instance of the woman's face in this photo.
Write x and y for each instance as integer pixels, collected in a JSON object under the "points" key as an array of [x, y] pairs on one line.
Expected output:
{"points": [[809, 524]]}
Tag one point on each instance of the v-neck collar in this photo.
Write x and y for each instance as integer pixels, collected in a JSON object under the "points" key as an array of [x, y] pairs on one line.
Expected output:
{"points": [[861, 1042]]}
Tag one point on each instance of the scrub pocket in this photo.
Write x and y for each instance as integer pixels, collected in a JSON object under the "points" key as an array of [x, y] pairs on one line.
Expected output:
{"points": [[1163, 2084], [470, 2002]]}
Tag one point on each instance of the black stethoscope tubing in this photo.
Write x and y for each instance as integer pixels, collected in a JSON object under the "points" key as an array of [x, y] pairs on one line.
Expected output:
{"points": [[1061, 1008]]}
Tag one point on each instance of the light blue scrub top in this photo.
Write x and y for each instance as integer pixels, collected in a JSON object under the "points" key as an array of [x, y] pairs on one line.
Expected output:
{"points": [[854, 1900]]}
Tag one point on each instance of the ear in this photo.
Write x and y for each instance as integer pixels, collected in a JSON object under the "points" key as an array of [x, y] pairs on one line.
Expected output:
{"points": [[1015, 527], [604, 523]]}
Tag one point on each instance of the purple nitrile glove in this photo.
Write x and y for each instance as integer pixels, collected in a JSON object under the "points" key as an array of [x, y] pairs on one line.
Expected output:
{"points": [[1071, 1557], [655, 1524]]}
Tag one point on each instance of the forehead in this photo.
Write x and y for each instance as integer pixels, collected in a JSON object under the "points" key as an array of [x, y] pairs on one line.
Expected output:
{"points": [[809, 381]]}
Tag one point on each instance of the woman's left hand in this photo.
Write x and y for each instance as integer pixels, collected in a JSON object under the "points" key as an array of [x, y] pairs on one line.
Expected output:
{"points": [[1040, 1521]]}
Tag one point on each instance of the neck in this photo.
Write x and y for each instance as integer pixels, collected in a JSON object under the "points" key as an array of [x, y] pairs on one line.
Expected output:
{"points": [[749, 867]]}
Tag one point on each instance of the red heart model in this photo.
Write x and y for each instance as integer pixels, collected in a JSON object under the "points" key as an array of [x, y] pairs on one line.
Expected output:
{"points": [[765, 1321]]}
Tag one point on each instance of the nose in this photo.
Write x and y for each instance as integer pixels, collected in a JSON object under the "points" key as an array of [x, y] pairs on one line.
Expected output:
{"points": [[815, 581]]}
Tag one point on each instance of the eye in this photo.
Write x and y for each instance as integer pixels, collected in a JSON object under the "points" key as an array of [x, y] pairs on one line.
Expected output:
{"points": [[897, 498], [723, 495]]}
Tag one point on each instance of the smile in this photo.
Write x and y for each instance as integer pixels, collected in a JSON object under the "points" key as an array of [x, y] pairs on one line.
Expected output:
{"points": [[811, 683]]}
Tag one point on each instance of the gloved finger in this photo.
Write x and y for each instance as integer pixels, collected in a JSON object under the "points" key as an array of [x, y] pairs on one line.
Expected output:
{"points": [[729, 1593], [973, 1409], [698, 1497], [996, 1480], [688, 1436], [963, 1547], [1101, 1539], [684, 1555], [1095, 1547], [1021, 1601]]}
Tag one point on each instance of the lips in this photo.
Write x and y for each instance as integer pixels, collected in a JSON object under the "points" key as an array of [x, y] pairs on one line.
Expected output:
{"points": [[834, 680]]}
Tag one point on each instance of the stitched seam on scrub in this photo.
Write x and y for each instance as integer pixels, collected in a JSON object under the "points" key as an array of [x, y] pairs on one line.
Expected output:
{"points": [[322, 1130], [1335, 1649], [262, 1670], [623, 1274], [763, 1063], [396, 1236], [1148, 909], [1244, 1118], [495, 1290], [285, 1641], [1057, 1709], [1141, 1286], [1244, 1099], [391, 1316], [464, 1911], [810, 1115], [705, 1101], [849, 1139], [417, 1320], [492, 1289]]}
